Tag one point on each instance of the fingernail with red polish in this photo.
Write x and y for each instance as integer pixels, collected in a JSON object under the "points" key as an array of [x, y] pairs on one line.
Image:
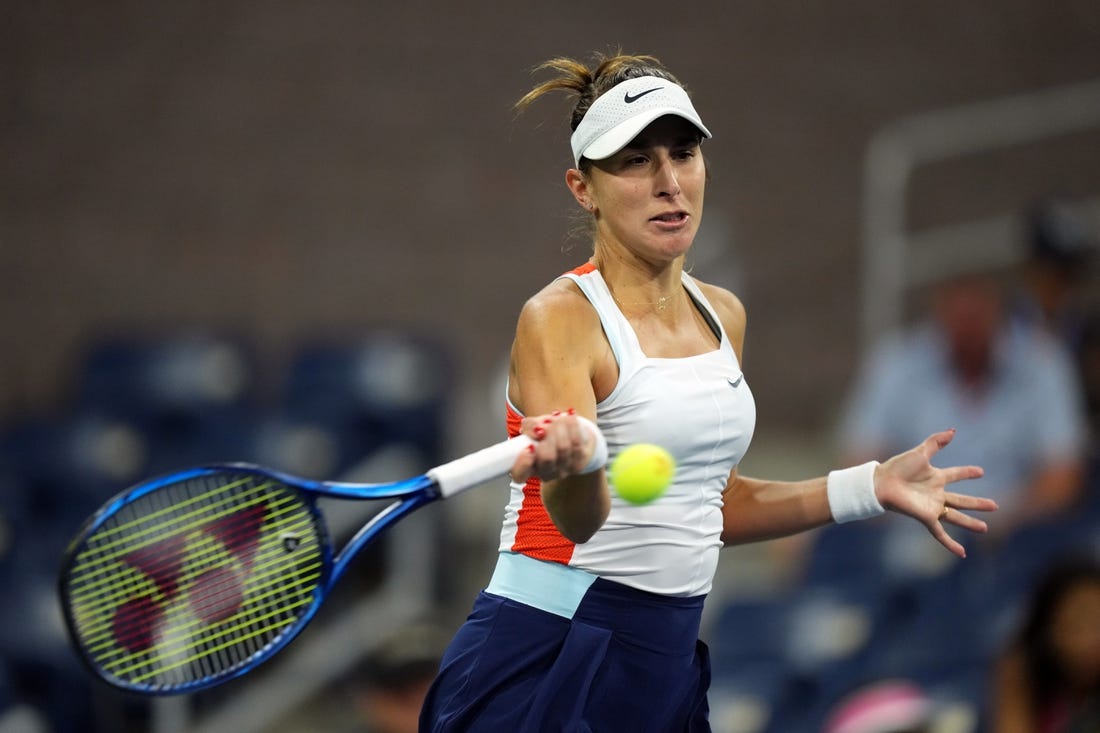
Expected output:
{"points": [[531, 448], [555, 413], [540, 433], [571, 411]]}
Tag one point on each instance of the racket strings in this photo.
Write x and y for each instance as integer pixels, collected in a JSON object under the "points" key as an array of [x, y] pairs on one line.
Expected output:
{"points": [[273, 594], [179, 625], [264, 581], [172, 520], [195, 578], [160, 563], [101, 577]]}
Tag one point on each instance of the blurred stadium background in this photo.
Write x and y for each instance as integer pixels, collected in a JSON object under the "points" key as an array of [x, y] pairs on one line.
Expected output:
{"points": [[301, 233]]}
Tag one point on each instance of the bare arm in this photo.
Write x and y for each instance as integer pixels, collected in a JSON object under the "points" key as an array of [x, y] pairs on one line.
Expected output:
{"points": [[908, 484], [757, 509], [558, 338]]}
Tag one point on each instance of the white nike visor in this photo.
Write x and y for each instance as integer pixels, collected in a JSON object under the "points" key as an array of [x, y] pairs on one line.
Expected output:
{"points": [[618, 115]]}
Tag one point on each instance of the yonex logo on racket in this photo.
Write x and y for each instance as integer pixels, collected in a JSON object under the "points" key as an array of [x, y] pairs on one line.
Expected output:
{"points": [[214, 594], [631, 99]]}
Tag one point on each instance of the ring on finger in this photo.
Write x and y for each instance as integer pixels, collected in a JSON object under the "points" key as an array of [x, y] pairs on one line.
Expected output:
{"points": [[943, 514]]}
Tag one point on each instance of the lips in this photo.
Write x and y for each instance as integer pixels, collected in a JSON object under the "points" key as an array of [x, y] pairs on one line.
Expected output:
{"points": [[670, 217]]}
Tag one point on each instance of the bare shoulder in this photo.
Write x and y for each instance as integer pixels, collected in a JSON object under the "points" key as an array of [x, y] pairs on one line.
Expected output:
{"points": [[730, 310], [558, 345], [560, 298], [559, 313], [724, 301]]}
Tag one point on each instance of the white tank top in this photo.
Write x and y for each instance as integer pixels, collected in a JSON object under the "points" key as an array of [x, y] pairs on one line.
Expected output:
{"points": [[701, 410]]}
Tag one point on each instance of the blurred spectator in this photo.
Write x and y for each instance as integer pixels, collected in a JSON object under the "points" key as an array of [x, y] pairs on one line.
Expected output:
{"points": [[1060, 249], [890, 706], [1009, 389], [1061, 252], [388, 688], [1048, 680]]}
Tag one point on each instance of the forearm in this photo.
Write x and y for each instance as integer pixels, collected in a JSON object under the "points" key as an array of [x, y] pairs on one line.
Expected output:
{"points": [[756, 509], [907, 483], [578, 505]]}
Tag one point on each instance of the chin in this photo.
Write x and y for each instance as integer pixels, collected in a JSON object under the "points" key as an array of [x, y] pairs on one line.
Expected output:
{"points": [[678, 246]]}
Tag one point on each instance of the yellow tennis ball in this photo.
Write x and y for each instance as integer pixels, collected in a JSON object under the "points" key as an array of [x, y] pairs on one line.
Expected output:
{"points": [[642, 472]]}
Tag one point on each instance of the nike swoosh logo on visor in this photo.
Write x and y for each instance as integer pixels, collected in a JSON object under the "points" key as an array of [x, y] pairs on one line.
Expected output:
{"points": [[631, 99]]}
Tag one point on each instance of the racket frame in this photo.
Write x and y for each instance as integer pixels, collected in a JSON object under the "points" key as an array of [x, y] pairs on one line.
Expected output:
{"points": [[408, 496]]}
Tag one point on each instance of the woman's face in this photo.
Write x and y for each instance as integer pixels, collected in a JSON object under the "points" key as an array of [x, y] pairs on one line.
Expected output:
{"points": [[649, 195], [1075, 634]]}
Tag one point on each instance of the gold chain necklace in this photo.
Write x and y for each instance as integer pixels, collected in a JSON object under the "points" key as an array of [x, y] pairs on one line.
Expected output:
{"points": [[660, 304]]}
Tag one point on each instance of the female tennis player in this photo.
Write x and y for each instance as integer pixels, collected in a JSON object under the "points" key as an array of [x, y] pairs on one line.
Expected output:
{"points": [[590, 621]]}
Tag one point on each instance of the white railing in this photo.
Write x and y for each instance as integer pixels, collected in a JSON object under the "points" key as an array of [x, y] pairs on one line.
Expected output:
{"points": [[897, 151]]}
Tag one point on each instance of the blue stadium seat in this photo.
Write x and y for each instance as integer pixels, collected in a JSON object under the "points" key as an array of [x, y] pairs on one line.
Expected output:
{"points": [[929, 630], [846, 555], [69, 464], [751, 677], [749, 630], [830, 626], [296, 446], [165, 376], [385, 387]]}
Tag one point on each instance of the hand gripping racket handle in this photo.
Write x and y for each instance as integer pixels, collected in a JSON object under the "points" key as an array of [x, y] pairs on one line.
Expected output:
{"points": [[489, 463]]}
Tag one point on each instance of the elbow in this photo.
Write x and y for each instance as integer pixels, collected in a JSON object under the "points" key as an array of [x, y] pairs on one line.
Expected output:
{"points": [[578, 535], [578, 516], [735, 536], [580, 532], [580, 528]]}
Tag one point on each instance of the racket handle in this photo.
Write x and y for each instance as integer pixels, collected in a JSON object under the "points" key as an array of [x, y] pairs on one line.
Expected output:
{"points": [[489, 463]]}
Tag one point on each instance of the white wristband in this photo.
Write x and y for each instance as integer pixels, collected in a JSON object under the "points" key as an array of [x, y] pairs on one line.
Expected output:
{"points": [[599, 450], [851, 493]]}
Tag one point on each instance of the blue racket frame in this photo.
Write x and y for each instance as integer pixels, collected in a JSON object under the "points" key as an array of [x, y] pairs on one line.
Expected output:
{"points": [[409, 495]]}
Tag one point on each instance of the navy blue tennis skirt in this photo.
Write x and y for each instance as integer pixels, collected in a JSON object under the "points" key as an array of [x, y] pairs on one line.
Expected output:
{"points": [[627, 660]]}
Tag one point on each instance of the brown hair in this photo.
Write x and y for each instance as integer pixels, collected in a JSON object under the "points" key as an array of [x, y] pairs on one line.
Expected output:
{"points": [[586, 84]]}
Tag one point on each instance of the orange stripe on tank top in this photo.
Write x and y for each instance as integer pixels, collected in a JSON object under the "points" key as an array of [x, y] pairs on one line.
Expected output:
{"points": [[536, 535]]}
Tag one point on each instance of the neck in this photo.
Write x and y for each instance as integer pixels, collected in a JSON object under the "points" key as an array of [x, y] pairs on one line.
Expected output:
{"points": [[656, 296], [633, 280]]}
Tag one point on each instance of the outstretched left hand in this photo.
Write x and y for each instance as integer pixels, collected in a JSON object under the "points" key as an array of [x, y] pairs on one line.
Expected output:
{"points": [[909, 484]]}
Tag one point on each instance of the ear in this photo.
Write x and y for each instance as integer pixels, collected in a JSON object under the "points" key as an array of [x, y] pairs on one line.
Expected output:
{"points": [[580, 187]]}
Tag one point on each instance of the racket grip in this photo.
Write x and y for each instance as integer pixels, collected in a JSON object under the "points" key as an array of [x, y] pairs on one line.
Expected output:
{"points": [[489, 463]]}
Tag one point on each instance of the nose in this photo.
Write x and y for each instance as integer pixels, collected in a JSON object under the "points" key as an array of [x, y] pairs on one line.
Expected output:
{"points": [[666, 183]]}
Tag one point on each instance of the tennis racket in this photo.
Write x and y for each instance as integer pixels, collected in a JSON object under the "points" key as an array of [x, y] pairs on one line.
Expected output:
{"points": [[188, 580]]}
